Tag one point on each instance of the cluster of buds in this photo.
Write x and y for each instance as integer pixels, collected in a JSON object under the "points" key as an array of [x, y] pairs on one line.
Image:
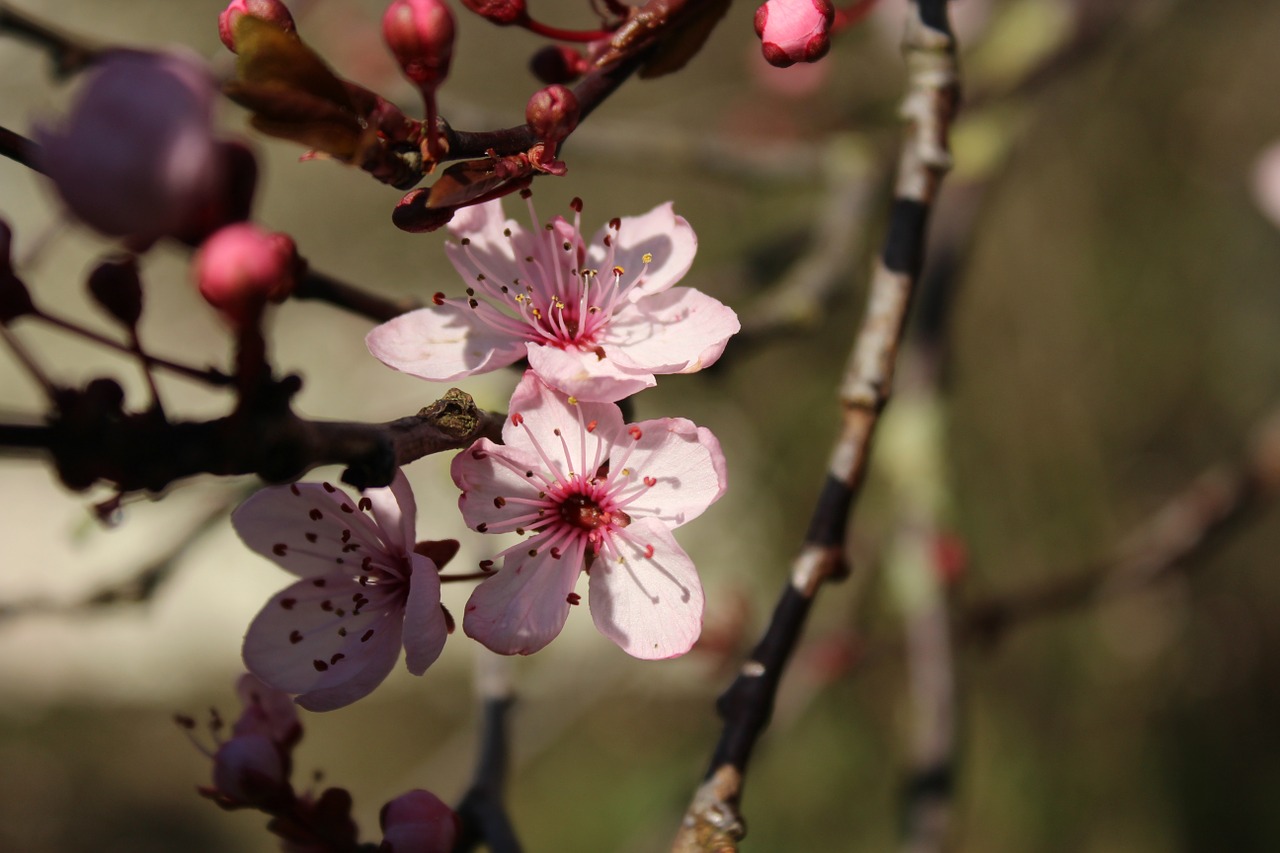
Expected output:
{"points": [[252, 769]]}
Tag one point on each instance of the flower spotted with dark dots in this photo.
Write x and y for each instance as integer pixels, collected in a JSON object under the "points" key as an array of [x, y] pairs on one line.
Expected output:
{"points": [[598, 496], [596, 320], [335, 634]]}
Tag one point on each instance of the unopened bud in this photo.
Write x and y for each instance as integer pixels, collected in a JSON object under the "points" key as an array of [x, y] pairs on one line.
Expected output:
{"points": [[418, 822], [242, 267], [557, 63], [413, 215], [249, 769], [272, 11], [420, 35], [504, 13], [15, 301], [116, 287], [552, 113], [794, 31]]}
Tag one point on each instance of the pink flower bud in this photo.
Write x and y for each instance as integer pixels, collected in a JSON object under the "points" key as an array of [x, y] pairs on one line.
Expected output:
{"points": [[420, 34], [500, 12], [418, 822], [552, 113], [136, 154], [249, 769], [794, 31], [272, 11], [557, 63], [242, 267], [267, 711]]}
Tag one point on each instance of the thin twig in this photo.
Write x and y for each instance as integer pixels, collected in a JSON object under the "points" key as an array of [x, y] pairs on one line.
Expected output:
{"points": [[69, 55], [713, 821], [322, 287]]}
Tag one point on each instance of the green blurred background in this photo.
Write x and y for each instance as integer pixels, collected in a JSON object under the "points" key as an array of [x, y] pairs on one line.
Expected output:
{"points": [[1113, 333]]}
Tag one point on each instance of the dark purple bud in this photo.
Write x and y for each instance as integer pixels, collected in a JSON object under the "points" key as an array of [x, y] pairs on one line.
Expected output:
{"points": [[248, 769], [15, 301], [794, 31], [504, 13], [552, 113], [272, 11], [114, 284], [418, 822], [558, 63], [420, 35]]}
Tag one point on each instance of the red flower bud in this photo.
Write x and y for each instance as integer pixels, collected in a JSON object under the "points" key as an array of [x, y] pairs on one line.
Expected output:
{"points": [[558, 63], [114, 285], [794, 30], [501, 12], [272, 11], [552, 113], [420, 34], [242, 267]]}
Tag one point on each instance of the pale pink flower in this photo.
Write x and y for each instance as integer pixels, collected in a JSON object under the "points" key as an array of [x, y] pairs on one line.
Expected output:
{"points": [[1266, 182], [333, 636], [599, 496], [596, 320], [418, 822]]}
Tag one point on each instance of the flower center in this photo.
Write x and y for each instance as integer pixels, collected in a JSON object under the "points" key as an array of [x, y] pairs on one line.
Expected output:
{"points": [[582, 512]]}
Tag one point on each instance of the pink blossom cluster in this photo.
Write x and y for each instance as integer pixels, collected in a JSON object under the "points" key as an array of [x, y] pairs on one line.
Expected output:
{"points": [[596, 320]]}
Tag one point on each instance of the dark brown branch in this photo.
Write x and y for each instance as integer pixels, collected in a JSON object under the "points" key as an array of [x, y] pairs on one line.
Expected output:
{"points": [[482, 811], [713, 821], [69, 55], [90, 441], [321, 287]]}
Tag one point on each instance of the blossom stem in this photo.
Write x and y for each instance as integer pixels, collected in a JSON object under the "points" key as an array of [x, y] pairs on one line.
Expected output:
{"points": [[209, 376], [583, 36]]}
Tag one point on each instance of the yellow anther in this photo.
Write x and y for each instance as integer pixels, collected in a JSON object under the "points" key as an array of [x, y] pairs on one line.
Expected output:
{"points": [[618, 271], [647, 258]]}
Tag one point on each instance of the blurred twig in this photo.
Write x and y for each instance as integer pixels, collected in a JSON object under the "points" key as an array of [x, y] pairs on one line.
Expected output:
{"points": [[712, 821], [69, 55], [138, 588], [483, 815]]}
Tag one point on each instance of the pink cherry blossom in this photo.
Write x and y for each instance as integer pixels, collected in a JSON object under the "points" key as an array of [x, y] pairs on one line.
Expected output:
{"points": [[599, 496], [596, 320], [334, 635]]}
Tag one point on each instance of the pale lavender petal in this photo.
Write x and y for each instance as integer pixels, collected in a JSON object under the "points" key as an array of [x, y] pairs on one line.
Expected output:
{"points": [[524, 606], [661, 233], [545, 410], [396, 511], [589, 376], [677, 331], [491, 490], [314, 638], [444, 342], [686, 466], [425, 629], [650, 602], [305, 528]]}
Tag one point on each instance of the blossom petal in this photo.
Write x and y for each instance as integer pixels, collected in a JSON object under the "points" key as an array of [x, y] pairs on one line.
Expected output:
{"points": [[395, 511], [544, 411], [306, 528], [678, 331], [587, 375], [444, 342], [685, 465], [668, 238], [425, 628], [524, 606], [649, 603], [490, 475], [313, 638]]}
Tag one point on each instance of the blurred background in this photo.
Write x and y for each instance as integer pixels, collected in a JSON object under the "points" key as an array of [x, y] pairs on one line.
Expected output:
{"points": [[1100, 327]]}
